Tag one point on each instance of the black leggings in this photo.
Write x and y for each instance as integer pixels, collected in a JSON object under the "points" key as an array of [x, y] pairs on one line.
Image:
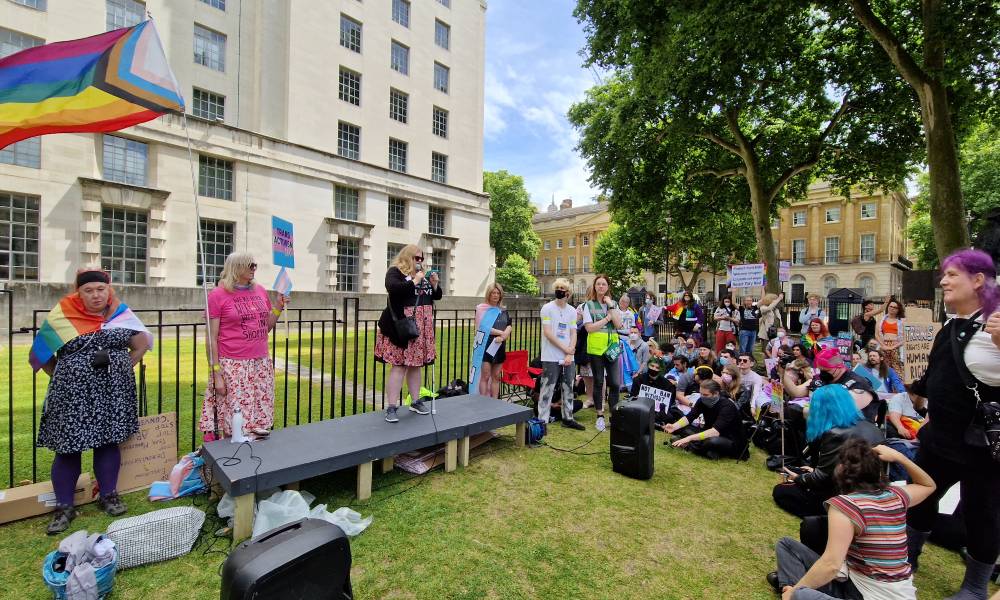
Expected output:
{"points": [[797, 500], [979, 481], [713, 447], [601, 365]]}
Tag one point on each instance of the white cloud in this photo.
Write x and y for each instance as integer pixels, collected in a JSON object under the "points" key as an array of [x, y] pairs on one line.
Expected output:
{"points": [[493, 122]]}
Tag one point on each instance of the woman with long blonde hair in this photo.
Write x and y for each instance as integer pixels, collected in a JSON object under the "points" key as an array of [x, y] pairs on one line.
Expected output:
{"points": [[411, 296], [241, 315], [489, 376]]}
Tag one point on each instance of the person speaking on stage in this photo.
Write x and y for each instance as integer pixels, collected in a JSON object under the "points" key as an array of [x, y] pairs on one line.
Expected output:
{"points": [[240, 317], [88, 345], [493, 321], [405, 338]]}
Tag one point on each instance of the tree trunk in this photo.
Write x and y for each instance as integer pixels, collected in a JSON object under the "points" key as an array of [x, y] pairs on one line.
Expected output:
{"points": [[760, 210], [946, 203]]}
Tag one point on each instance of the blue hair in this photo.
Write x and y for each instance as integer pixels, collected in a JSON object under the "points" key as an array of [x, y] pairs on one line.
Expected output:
{"points": [[831, 406]]}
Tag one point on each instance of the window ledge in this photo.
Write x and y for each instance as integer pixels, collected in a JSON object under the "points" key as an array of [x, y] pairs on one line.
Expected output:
{"points": [[338, 220], [155, 192]]}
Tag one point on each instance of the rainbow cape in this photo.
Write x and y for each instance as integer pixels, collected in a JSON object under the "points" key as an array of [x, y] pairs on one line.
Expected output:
{"points": [[69, 320], [105, 82], [676, 309]]}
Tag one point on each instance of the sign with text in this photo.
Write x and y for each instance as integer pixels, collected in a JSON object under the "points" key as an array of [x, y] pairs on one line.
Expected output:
{"points": [[918, 335], [150, 453], [784, 271], [653, 314], [746, 276], [845, 345], [282, 243], [661, 398]]}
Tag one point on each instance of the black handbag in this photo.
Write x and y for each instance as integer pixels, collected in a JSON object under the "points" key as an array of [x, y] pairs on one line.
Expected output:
{"points": [[986, 433], [406, 327]]}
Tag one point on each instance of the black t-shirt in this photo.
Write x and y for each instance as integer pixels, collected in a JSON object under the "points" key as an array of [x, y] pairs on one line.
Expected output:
{"points": [[724, 417], [749, 318], [853, 381]]}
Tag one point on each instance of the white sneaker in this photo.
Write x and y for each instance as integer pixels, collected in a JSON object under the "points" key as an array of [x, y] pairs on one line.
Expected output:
{"points": [[599, 425]]}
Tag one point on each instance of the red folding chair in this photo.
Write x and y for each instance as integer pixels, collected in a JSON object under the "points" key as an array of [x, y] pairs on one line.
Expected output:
{"points": [[516, 377]]}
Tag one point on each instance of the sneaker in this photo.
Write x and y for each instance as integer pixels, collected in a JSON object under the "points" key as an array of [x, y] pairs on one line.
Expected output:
{"points": [[61, 519], [599, 425], [573, 424], [112, 504], [419, 407], [390, 415]]}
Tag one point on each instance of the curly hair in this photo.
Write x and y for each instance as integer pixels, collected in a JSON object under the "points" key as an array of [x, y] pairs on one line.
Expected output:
{"points": [[859, 469]]}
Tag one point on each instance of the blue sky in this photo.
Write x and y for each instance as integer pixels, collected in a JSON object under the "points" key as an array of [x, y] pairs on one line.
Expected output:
{"points": [[533, 74]]}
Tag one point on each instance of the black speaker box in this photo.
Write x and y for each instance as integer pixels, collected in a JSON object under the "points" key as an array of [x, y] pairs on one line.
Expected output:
{"points": [[632, 438], [309, 559]]}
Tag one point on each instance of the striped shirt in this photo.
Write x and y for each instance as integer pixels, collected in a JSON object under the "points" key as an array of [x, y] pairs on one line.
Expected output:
{"points": [[878, 550]]}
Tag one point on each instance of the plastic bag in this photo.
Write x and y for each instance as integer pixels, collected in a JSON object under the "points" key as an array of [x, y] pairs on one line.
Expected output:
{"points": [[287, 506]]}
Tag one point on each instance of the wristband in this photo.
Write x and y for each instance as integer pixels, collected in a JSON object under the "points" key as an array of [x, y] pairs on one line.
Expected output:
{"points": [[701, 436], [216, 368], [683, 422], [276, 312]]}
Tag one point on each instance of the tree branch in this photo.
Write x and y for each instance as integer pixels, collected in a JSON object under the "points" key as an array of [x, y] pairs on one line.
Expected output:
{"points": [[742, 143], [720, 173], [908, 67], [720, 141]]}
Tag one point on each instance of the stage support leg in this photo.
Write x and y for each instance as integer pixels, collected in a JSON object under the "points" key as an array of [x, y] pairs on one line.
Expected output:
{"points": [[463, 452], [243, 519], [519, 431], [293, 486], [387, 464], [365, 481], [450, 455]]}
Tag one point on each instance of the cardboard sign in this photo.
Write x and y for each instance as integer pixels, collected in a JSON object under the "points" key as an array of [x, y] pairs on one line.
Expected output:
{"points": [[149, 454], [282, 243], [747, 276], [660, 397], [919, 332]]}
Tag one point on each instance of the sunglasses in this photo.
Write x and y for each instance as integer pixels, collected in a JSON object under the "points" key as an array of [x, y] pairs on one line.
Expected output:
{"points": [[418, 258], [252, 266], [743, 360]]}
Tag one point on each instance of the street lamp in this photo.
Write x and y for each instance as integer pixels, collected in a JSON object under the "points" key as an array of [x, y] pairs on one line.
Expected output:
{"points": [[666, 271], [715, 270]]}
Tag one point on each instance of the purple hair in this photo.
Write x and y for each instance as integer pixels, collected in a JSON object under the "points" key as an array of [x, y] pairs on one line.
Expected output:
{"points": [[972, 262]]}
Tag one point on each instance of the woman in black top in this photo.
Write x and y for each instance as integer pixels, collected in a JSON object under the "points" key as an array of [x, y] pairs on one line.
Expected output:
{"points": [[723, 432], [967, 348], [411, 294]]}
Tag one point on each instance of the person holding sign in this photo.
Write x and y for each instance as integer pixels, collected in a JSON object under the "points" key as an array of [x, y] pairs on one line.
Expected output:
{"points": [[961, 381], [653, 384], [411, 297], [493, 321], [601, 318], [88, 345], [240, 318]]}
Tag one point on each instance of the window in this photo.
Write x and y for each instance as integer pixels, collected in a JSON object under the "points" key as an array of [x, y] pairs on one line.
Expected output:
{"points": [[534, 267], [798, 252], [125, 160], [123, 13], [585, 240], [799, 218], [401, 12], [442, 34], [398, 105], [348, 274], [586, 264], [209, 48], [866, 283], [798, 289], [397, 155], [397, 212], [391, 252], [776, 245], [123, 244], [441, 77], [700, 288], [346, 202], [775, 222], [572, 242], [219, 4], [26, 153], [399, 58], [350, 86], [439, 122], [829, 284], [547, 245], [446, 3], [19, 236], [559, 244], [217, 236], [36, 4], [869, 210], [348, 140], [558, 265], [833, 215], [572, 264], [208, 105], [435, 220], [350, 34], [439, 260], [439, 167], [215, 177], [545, 267], [867, 247], [832, 255]]}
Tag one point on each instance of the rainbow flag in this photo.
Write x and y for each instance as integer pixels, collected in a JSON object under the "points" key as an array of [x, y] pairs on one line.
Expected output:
{"points": [[69, 320], [105, 82], [676, 309]]}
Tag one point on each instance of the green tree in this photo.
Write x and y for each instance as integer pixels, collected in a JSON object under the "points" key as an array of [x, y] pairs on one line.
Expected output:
{"points": [[762, 92], [617, 257], [948, 52], [515, 276], [510, 227]]}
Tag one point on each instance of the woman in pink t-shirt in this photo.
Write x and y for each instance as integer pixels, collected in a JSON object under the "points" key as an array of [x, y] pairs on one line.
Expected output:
{"points": [[240, 318]]}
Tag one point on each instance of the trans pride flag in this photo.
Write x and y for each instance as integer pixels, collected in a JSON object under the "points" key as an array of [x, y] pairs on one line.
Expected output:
{"points": [[105, 82]]}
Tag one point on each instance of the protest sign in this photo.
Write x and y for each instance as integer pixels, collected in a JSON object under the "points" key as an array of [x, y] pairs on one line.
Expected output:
{"points": [[150, 453], [653, 314], [661, 398], [746, 276], [918, 335], [282, 243], [845, 346], [784, 271]]}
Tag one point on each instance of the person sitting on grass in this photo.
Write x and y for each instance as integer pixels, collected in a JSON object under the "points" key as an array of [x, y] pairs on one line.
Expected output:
{"points": [[866, 528], [654, 378], [687, 389], [707, 358], [722, 435]]}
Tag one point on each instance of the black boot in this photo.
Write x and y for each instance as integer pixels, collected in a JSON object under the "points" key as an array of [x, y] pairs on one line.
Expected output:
{"points": [[977, 577], [61, 519], [915, 541]]}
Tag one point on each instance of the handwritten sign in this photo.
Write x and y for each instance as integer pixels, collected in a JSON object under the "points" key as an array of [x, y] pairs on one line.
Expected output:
{"points": [[845, 346], [746, 276], [149, 454], [784, 270], [661, 398], [653, 314], [282, 243], [918, 335]]}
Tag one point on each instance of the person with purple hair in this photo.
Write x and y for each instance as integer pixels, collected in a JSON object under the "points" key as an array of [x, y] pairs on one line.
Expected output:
{"points": [[967, 346]]}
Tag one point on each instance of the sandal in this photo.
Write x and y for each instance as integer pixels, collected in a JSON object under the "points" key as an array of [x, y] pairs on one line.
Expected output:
{"points": [[112, 504], [61, 519]]}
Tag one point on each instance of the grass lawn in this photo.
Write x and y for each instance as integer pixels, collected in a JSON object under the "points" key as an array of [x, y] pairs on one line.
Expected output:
{"points": [[532, 523]]}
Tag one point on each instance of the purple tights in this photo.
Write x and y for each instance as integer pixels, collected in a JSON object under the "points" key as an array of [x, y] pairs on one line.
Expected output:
{"points": [[66, 471]]}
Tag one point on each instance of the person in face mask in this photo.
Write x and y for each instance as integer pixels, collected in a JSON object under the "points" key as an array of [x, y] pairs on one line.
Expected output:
{"points": [[727, 319], [648, 322], [723, 432], [781, 340], [639, 348], [832, 370], [653, 383]]}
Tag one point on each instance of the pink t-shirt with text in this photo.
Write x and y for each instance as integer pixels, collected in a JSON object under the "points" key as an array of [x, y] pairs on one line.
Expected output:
{"points": [[243, 316]]}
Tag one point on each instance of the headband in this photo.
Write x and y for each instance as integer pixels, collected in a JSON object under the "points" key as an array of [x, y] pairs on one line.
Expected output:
{"points": [[92, 276]]}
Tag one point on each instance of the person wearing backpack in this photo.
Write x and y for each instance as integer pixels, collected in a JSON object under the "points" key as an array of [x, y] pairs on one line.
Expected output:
{"points": [[962, 388], [601, 319]]}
